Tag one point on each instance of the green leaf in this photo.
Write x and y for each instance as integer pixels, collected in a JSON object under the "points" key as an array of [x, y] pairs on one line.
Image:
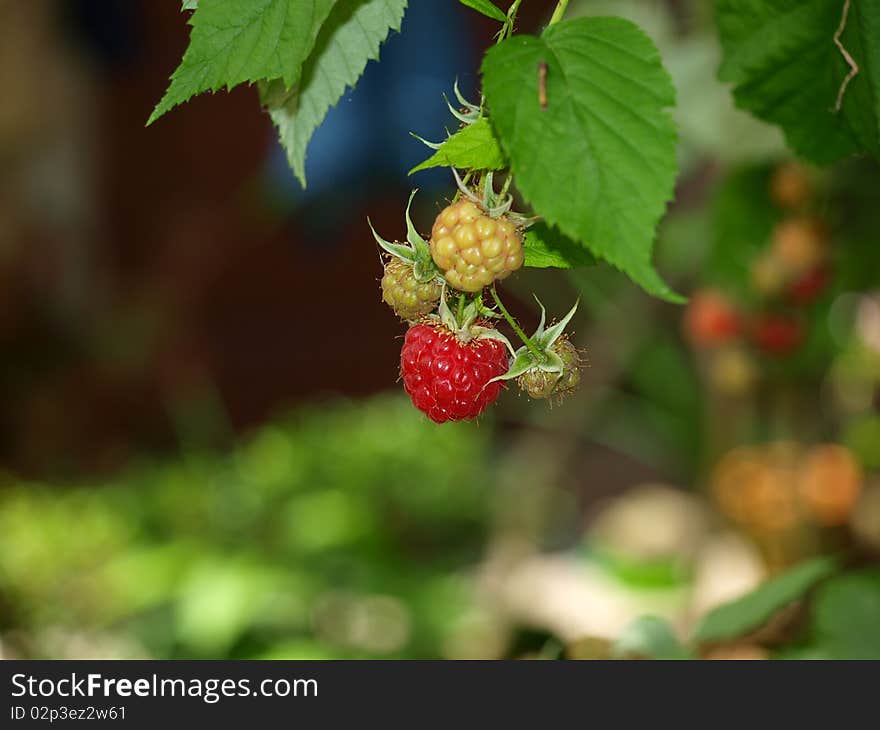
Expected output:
{"points": [[750, 612], [546, 247], [241, 41], [190, 4], [846, 616], [486, 8], [650, 637], [473, 147], [598, 162], [350, 37], [786, 69]]}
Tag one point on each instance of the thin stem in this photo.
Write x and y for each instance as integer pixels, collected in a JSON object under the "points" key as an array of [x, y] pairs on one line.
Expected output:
{"points": [[527, 341], [464, 182], [506, 186], [558, 13], [507, 28], [504, 33]]}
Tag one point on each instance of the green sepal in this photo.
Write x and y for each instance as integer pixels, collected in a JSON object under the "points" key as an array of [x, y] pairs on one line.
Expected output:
{"points": [[460, 325], [424, 267], [489, 333], [546, 338], [417, 252], [540, 329], [493, 204], [474, 111], [463, 327], [432, 145], [524, 359], [486, 8], [474, 108], [399, 250]]}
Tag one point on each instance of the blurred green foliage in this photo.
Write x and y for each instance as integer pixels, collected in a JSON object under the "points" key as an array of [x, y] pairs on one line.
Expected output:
{"points": [[338, 532], [842, 622]]}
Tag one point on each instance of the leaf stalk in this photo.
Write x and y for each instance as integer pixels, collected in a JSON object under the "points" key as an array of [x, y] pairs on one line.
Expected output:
{"points": [[561, 7]]}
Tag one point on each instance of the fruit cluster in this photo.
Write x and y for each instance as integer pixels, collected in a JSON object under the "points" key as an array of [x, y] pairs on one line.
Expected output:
{"points": [[454, 361], [785, 277]]}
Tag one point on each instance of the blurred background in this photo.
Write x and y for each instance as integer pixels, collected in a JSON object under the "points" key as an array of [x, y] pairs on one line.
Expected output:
{"points": [[204, 452]]}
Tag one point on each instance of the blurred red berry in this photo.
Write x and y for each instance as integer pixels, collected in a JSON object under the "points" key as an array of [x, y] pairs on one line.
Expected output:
{"points": [[809, 286], [711, 319], [777, 334], [447, 379]]}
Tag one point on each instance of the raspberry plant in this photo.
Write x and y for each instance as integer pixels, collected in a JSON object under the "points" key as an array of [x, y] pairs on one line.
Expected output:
{"points": [[576, 120]]}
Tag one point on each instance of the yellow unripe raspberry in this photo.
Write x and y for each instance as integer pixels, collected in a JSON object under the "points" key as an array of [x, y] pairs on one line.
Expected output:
{"points": [[472, 249]]}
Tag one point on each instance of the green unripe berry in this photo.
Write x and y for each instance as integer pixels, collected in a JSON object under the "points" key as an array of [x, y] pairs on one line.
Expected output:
{"points": [[540, 383], [410, 298]]}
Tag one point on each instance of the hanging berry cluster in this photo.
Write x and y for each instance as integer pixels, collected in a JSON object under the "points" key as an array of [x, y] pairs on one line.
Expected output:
{"points": [[454, 361]]}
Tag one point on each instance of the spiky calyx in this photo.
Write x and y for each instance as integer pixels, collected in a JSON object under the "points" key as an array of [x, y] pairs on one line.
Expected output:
{"points": [[472, 249], [548, 364], [411, 284], [538, 383], [410, 298]]}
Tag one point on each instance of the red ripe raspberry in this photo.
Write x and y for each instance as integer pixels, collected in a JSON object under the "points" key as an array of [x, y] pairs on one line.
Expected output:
{"points": [[810, 286], [711, 319], [777, 334], [449, 380]]}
